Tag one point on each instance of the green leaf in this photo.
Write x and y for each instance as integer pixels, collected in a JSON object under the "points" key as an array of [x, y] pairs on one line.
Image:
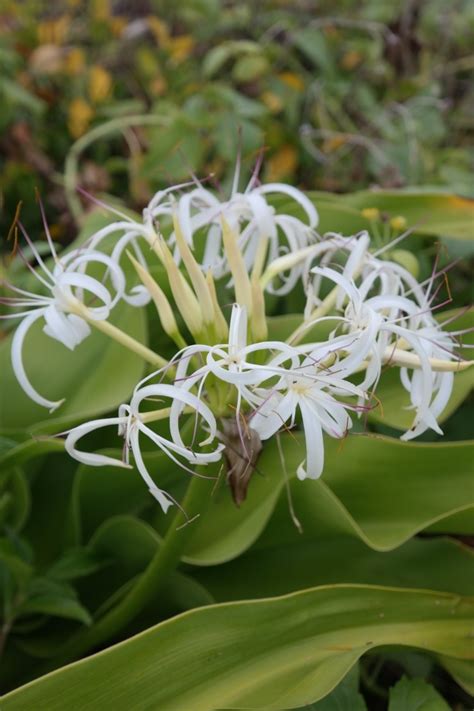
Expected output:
{"points": [[128, 545], [250, 68], [100, 493], [379, 489], [434, 214], [313, 45], [275, 653], [15, 563], [14, 500], [309, 559], [415, 695], [345, 697], [75, 563], [47, 597], [23, 452], [47, 524], [462, 670]]}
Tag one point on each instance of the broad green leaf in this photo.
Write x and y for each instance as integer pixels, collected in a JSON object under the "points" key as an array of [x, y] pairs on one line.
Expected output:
{"points": [[345, 697], [102, 492], [6, 445], [462, 670], [428, 212], [47, 524], [48, 597], [415, 695], [127, 545], [75, 563], [461, 523], [274, 653], [14, 500], [312, 42], [381, 490], [24, 451], [15, 566], [307, 560]]}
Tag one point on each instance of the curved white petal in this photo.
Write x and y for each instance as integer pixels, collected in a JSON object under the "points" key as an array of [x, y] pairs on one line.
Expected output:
{"points": [[313, 434], [159, 495], [17, 362], [90, 458], [296, 195]]}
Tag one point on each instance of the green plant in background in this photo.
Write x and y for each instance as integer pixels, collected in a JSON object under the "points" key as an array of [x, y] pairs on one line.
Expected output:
{"points": [[222, 331], [227, 405], [365, 95]]}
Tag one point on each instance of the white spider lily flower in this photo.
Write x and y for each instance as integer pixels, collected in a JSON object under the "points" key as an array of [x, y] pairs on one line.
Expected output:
{"points": [[258, 224], [311, 391], [381, 324], [62, 309], [132, 423], [234, 362], [131, 231]]}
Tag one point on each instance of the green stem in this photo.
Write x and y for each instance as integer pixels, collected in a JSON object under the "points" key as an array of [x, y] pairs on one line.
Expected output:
{"points": [[127, 341], [71, 168], [151, 581], [325, 307]]}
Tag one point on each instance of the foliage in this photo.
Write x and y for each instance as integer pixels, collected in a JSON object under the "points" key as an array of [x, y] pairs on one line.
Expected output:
{"points": [[340, 100], [76, 540], [351, 592]]}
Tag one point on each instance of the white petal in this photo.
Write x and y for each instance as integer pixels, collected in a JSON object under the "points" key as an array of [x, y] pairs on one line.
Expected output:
{"points": [[159, 495], [92, 459], [314, 443], [296, 195], [273, 414], [17, 363], [237, 329]]}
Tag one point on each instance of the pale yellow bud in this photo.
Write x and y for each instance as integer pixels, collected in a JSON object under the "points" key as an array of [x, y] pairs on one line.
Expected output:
{"points": [[242, 287], [282, 264], [196, 276], [162, 304], [371, 213], [407, 359], [183, 295], [221, 328], [398, 223]]}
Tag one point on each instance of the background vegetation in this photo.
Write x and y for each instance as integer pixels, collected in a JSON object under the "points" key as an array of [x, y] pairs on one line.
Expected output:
{"points": [[123, 98]]}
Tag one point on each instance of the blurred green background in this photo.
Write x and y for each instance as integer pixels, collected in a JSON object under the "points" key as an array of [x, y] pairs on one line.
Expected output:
{"points": [[339, 95]]}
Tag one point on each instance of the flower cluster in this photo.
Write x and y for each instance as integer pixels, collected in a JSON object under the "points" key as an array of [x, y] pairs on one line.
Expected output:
{"points": [[364, 312]]}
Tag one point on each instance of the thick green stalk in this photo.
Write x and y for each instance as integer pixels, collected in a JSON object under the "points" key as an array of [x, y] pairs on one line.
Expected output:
{"points": [[127, 341], [149, 584]]}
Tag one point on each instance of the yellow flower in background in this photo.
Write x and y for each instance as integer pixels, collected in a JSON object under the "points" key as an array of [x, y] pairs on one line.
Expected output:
{"points": [[398, 223], [117, 24], [292, 80], [333, 143], [80, 114], [100, 9], [54, 31], [272, 101], [158, 86], [100, 84], [351, 59], [282, 164], [75, 61], [370, 213], [159, 29], [181, 47]]}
